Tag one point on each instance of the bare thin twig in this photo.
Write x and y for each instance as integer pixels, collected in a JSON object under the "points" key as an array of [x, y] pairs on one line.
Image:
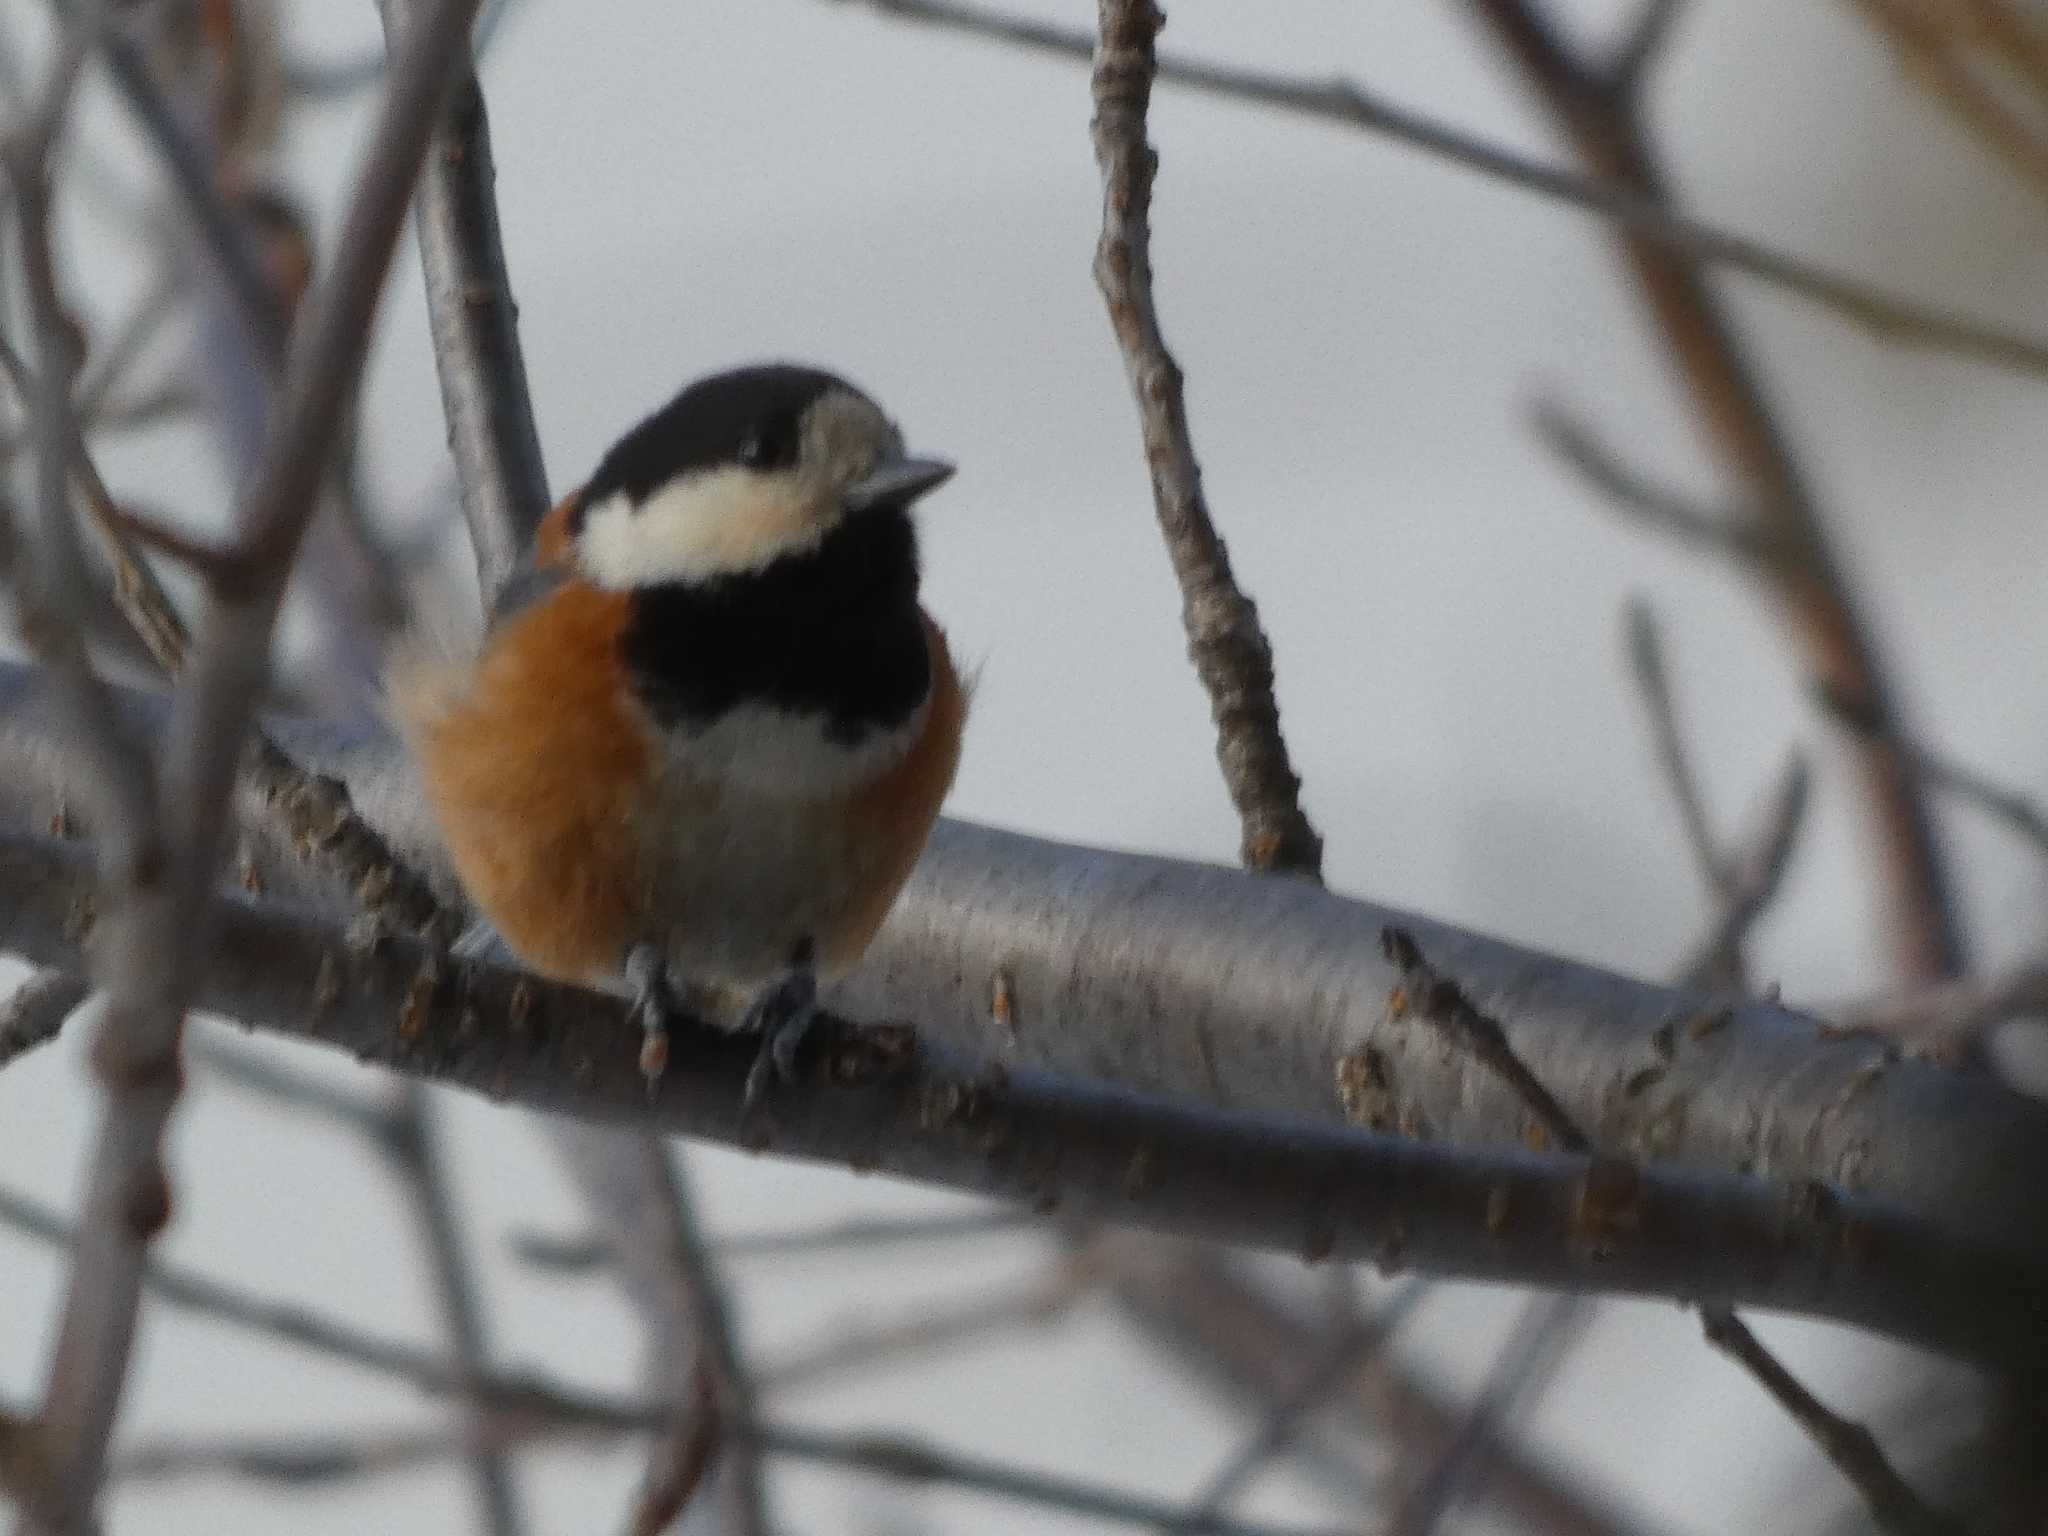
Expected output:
{"points": [[1644, 43], [476, 336], [309, 1461], [664, 1263], [1548, 1325], [36, 1011], [919, 1462], [1897, 1509], [140, 597], [1886, 316], [932, 1328], [2017, 810], [425, 1370], [1931, 53], [234, 253], [1729, 535], [1428, 994], [152, 959], [1200, 1304], [410, 1137], [579, 1255], [126, 1198], [1853, 1450], [1225, 639], [303, 1461], [1754, 876], [1955, 1009], [1345, 1357], [1743, 883], [317, 80], [1645, 649]]}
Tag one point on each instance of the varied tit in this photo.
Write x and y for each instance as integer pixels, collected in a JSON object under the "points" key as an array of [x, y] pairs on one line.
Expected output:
{"points": [[710, 725]]}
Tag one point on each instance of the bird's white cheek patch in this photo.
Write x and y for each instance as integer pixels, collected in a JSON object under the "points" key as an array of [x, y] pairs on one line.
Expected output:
{"points": [[789, 755], [720, 522]]}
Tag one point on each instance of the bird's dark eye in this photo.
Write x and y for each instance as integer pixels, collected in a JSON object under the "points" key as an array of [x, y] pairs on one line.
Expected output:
{"points": [[755, 451]]}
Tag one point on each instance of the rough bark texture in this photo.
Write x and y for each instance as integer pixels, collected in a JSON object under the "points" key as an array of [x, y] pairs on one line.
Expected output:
{"points": [[874, 1098], [1272, 997]]}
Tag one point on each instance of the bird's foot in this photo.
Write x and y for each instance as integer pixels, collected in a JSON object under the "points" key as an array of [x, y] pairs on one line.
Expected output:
{"points": [[654, 1005], [781, 1014]]}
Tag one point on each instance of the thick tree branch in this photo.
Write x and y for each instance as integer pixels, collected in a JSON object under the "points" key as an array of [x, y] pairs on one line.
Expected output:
{"points": [[876, 1098], [1886, 316], [1270, 997], [1225, 639]]}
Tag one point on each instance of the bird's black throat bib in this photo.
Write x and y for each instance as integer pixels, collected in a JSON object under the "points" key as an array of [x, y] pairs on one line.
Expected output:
{"points": [[834, 632]]}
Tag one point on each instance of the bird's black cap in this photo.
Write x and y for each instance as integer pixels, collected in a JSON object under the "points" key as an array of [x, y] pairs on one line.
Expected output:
{"points": [[745, 416]]}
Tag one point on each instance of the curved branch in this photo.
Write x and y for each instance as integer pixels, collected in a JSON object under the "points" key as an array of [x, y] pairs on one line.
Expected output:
{"points": [[877, 1099], [1226, 641], [1271, 997]]}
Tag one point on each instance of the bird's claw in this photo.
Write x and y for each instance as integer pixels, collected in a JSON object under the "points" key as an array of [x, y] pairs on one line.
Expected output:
{"points": [[782, 1016], [653, 1007]]}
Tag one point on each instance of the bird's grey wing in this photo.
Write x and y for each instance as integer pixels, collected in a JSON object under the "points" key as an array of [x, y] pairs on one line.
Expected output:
{"points": [[526, 584]]}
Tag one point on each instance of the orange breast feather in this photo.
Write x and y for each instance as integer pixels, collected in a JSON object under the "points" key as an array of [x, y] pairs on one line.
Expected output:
{"points": [[540, 770], [537, 769]]}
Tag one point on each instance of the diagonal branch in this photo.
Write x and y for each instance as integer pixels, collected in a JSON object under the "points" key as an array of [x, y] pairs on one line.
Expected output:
{"points": [[1824, 620], [36, 1010], [1854, 1451], [1886, 316], [2017, 810], [1342, 1362], [411, 1138], [664, 1263], [1730, 535], [1202, 1306], [1536, 1347], [150, 959], [1931, 52], [1225, 639]]}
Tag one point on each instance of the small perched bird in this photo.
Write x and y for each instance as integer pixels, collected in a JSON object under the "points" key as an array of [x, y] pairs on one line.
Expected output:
{"points": [[710, 725]]}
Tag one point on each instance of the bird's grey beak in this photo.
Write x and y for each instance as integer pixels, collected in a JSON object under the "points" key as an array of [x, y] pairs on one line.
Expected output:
{"points": [[897, 482]]}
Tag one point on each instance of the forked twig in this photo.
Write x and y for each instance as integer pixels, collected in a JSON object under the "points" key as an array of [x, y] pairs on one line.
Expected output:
{"points": [[1824, 621]]}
